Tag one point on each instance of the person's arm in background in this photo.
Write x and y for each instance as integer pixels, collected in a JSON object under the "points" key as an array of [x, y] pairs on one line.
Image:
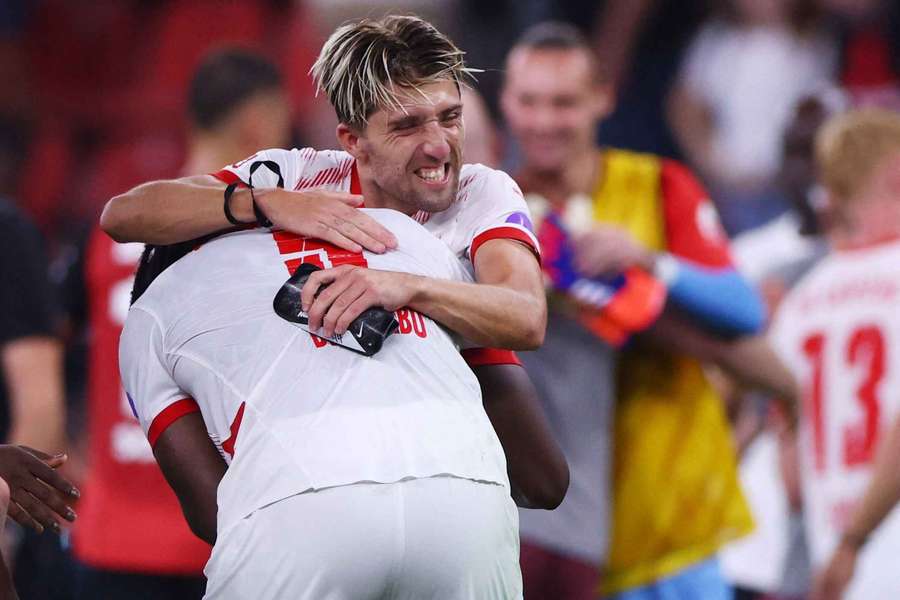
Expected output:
{"points": [[881, 496], [193, 467], [32, 368], [616, 31], [750, 360], [696, 267], [30, 353], [701, 279]]}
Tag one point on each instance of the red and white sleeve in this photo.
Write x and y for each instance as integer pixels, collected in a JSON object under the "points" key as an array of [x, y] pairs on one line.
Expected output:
{"points": [[264, 176], [155, 397], [498, 211]]}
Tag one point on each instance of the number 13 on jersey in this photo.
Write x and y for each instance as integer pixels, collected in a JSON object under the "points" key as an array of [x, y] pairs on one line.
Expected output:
{"points": [[845, 376]]}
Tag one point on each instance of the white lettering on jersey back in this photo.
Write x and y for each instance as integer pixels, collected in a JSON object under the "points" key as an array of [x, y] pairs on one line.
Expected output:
{"points": [[312, 415], [839, 332]]}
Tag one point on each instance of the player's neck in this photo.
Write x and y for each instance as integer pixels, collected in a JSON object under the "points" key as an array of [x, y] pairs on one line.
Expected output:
{"points": [[579, 176], [375, 197], [208, 154], [870, 225]]}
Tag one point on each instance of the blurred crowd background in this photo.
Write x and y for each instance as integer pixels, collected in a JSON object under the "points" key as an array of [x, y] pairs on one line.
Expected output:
{"points": [[94, 94]]}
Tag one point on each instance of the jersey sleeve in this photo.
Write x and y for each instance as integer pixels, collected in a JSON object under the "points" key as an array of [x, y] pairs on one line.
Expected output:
{"points": [[498, 211], [289, 165], [480, 357], [693, 230], [155, 397]]}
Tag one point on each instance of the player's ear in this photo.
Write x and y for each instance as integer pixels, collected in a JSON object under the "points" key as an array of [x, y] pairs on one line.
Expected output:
{"points": [[349, 139]]}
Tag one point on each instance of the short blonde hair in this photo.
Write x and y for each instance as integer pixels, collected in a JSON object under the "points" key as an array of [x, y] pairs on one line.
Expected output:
{"points": [[851, 146], [363, 65]]}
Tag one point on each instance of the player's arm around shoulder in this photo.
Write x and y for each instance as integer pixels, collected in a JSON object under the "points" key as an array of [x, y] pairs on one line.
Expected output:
{"points": [[507, 306], [505, 309], [169, 211], [177, 210]]}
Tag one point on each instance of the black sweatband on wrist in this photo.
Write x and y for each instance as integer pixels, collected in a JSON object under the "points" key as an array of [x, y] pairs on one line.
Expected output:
{"points": [[261, 219], [229, 191]]}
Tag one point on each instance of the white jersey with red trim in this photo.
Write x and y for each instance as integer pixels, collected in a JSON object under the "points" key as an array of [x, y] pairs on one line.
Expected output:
{"points": [[839, 332], [488, 205], [295, 412]]}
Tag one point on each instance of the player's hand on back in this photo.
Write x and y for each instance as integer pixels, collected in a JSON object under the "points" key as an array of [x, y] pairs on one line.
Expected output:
{"points": [[350, 291], [38, 493], [329, 216]]}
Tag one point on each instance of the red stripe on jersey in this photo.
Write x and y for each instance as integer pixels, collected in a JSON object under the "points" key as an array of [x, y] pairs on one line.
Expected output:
{"points": [[228, 445], [227, 177], [336, 176], [169, 415], [503, 233], [320, 178], [346, 167], [479, 357]]}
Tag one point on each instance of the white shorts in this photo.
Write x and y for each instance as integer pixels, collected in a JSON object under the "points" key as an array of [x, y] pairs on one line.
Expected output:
{"points": [[439, 537]]}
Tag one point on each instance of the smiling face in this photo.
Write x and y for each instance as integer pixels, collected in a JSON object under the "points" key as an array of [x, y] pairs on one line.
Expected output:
{"points": [[552, 105], [409, 157]]}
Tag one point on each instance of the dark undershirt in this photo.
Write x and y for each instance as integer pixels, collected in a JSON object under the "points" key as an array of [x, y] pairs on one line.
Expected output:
{"points": [[26, 302]]}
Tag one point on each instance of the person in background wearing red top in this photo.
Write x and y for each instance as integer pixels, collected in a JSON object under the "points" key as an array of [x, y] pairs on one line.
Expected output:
{"points": [[131, 540]]}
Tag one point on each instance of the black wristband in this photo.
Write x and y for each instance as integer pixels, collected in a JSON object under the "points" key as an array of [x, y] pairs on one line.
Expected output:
{"points": [[229, 191], [261, 219]]}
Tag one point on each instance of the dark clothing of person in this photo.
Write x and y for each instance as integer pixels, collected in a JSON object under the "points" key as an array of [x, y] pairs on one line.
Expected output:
{"points": [[26, 301]]}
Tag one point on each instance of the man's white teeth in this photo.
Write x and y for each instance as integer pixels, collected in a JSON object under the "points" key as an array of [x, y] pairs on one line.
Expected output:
{"points": [[435, 174]]}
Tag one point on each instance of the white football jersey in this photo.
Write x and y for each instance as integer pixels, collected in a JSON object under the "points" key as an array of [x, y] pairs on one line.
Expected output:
{"points": [[488, 204], [287, 410], [839, 332]]}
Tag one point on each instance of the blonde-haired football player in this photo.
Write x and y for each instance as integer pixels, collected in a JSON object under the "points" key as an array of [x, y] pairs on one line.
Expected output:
{"points": [[839, 330], [395, 85]]}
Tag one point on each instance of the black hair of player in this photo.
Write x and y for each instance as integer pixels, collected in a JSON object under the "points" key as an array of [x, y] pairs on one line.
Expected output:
{"points": [[553, 35], [156, 259], [224, 81], [556, 36]]}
